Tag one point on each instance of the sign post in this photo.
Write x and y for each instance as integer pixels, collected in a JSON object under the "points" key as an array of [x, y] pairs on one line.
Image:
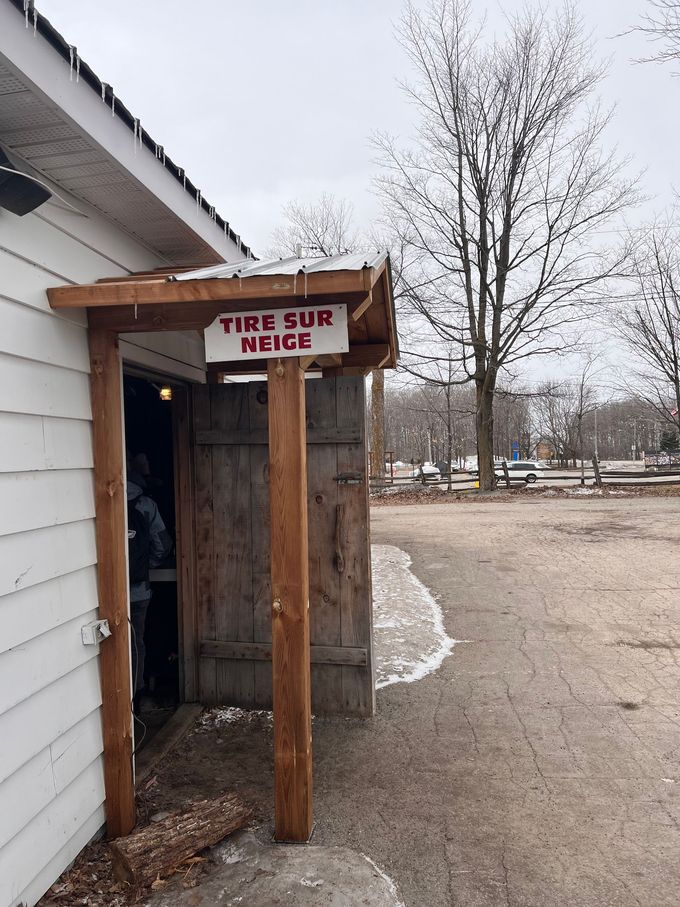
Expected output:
{"points": [[291, 681]]}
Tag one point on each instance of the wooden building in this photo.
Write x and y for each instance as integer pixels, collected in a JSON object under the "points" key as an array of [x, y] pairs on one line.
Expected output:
{"points": [[262, 610]]}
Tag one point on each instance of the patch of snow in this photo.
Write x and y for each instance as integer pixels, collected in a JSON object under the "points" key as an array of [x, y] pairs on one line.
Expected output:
{"points": [[231, 853], [220, 716], [388, 881], [583, 490], [308, 883], [410, 639], [669, 780]]}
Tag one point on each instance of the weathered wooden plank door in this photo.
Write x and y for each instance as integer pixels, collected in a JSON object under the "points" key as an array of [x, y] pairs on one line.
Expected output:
{"points": [[232, 546]]}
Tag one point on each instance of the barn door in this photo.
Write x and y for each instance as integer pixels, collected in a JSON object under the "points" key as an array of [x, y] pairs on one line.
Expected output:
{"points": [[232, 546]]}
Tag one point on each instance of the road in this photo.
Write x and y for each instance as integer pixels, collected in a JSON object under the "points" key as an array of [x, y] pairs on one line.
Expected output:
{"points": [[556, 477]]}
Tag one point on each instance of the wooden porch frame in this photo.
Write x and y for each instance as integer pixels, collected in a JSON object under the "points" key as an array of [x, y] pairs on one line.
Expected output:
{"points": [[156, 304], [106, 381]]}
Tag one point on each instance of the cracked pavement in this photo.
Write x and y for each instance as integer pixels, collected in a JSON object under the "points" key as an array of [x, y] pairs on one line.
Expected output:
{"points": [[539, 765]]}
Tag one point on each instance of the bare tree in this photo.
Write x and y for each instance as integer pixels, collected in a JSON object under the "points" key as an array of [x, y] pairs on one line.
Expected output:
{"points": [[378, 423], [325, 227], [661, 24], [430, 420], [501, 190], [322, 227], [649, 323], [560, 409]]}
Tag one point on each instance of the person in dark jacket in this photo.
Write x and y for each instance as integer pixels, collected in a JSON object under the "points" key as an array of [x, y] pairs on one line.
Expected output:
{"points": [[148, 545]]}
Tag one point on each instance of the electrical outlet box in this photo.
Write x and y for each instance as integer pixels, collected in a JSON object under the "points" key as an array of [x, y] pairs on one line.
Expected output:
{"points": [[93, 633]]}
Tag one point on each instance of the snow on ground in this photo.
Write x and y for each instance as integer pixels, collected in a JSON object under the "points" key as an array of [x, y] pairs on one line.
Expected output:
{"points": [[410, 640]]}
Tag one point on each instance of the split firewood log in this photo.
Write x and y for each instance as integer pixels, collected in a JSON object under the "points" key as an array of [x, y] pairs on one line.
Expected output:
{"points": [[159, 848]]}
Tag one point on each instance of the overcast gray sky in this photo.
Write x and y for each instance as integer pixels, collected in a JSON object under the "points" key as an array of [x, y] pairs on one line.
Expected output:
{"points": [[263, 101]]}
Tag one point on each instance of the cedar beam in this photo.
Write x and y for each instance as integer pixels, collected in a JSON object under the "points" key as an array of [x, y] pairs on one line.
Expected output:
{"points": [[112, 579], [163, 291], [306, 361], [368, 355], [291, 682], [329, 360], [361, 308]]}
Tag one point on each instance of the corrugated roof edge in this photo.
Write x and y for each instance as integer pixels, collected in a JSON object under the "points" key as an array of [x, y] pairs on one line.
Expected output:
{"points": [[347, 261], [45, 28]]}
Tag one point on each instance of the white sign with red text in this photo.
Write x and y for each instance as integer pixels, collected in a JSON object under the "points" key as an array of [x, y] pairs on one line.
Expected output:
{"points": [[301, 331]]}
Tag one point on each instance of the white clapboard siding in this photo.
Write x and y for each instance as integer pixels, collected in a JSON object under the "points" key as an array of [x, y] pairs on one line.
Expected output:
{"points": [[43, 878], [40, 442], [37, 722], [49, 833], [37, 609], [97, 232], [37, 335], [32, 557], [25, 282], [76, 748], [51, 782], [43, 390], [47, 774], [42, 660], [33, 239], [34, 500]]}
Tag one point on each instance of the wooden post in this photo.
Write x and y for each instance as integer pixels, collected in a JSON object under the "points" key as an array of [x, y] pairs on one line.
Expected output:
{"points": [[112, 579], [290, 601], [185, 543]]}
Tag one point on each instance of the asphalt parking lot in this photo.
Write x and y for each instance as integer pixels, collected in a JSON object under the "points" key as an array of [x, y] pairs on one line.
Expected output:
{"points": [[540, 765]]}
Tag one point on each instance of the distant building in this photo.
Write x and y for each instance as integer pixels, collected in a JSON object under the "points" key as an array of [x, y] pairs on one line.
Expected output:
{"points": [[545, 451]]}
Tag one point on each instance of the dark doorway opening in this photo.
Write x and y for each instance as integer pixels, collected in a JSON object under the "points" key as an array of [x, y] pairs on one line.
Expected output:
{"points": [[149, 451]]}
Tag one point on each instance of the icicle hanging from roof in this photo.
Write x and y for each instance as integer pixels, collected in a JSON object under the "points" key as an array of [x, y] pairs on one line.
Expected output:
{"points": [[77, 68], [35, 21], [113, 103], [103, 92], [26, 12], [136, 132], [72, 55]]}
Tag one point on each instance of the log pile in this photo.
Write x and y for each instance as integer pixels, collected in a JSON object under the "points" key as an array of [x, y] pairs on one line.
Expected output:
{"points": [[159, 848]]}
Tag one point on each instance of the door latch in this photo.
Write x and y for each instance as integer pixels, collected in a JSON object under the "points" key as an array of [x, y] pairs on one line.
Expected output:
{"points": [[350, 478]]}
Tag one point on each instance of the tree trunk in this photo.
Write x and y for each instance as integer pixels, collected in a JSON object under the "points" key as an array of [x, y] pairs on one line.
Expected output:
{"points": [[378, 423], [159, 848], [484, 425]]}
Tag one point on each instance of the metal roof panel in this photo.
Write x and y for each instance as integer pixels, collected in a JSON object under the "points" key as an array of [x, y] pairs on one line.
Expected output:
{"points": [[285, 267]]}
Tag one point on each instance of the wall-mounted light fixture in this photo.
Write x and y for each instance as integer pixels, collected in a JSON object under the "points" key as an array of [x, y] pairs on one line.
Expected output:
{"points": [[165, 393]]}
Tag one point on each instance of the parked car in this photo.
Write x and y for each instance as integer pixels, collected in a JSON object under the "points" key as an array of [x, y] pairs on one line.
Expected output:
{"points": [[529, 470], [426, 471]]}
